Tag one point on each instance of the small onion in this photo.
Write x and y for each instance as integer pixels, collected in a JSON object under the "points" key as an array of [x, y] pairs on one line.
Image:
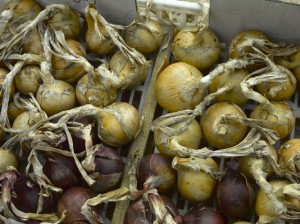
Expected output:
{"points": [[56, 96], [222, 135], [202, 215], [89, 90], [12, 90], [146, 37], [8, 158], [28, 79], [201, 48], [69, 71], [296, 69], [71, 201], [68, 21], [118, 123], [278, 114], [20, 8], [13, 111], [132, 75], [26, 119], [176, 87], [155, 171], [232, 79], [235, 195], [33, 43], [284, 90], [190, 137]]}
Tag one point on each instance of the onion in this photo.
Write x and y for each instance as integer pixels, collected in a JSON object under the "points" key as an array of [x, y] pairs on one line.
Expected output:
{"points": [[190, 136], [145, 36], [68, 21], [222, 135], [22, 7], [296, 69], [155, 171], [56, 96], [26, 119], [279, 91], [176, 87], [118, 123], [8, 158], [235, 195], [231, 79], [277, 116], [2, 134], [200, 48], [71, 201], [13, 111], [202, 215], [33, 43], [66, 70], [196, 180], [131, 74], [12, 88], [28, 79], [89, 90]]}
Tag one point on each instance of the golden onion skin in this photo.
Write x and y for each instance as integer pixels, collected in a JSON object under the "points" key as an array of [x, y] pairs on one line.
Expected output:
{"points": [[28, 79], [231, 79], [227, 134], [56, 97], [143, 39], [200, 49], [66, 70], [296, 70], [280, 114], [288, 155], [13, 111], [176, 87], [12, 90], [21, 7], [8, 158], [26, 119]]}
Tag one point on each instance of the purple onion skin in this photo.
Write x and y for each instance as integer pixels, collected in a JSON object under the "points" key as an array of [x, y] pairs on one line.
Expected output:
{"points": [[204, 215], [235, 194], [72, 200], [26, 196], [62, 171]]}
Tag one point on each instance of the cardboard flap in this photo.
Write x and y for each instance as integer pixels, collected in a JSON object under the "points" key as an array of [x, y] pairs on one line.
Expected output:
{"points": [[120, 12], [278, 20]]}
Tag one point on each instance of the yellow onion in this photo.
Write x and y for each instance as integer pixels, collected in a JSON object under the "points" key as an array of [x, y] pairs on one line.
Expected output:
{"points": [[2, 134], [12, 90], [56, 96], [145, 36], [222, 134], [33, 43], [199, 48], [118, 123], [190, 137], [13, 111], [131, 74], [8, 158], [28, 79], [68, 21], [264, 206], [277, 116], [177, 88], [22, 8], [66, 70], [195, 185], [89, 90], [296, 69], [94, 42], [232, 79], [26, 119], [283, 91]]}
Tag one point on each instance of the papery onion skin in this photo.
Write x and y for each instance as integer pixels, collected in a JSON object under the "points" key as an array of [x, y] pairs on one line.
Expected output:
{"points": [[159, 167], [56, 97], [68, 71], [204, 215], [176, 87], [288, 155], [8, 158], [230, 79], [227, 134], [132, 75], [190, 138], [13, 111], [68, 21], [281, 115], [28, 79], [142, 39], [288, 90], [12, 90], [200, 49], [72, 200], [118, 123], [89, 90], [263, 206], [197, 186]]}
